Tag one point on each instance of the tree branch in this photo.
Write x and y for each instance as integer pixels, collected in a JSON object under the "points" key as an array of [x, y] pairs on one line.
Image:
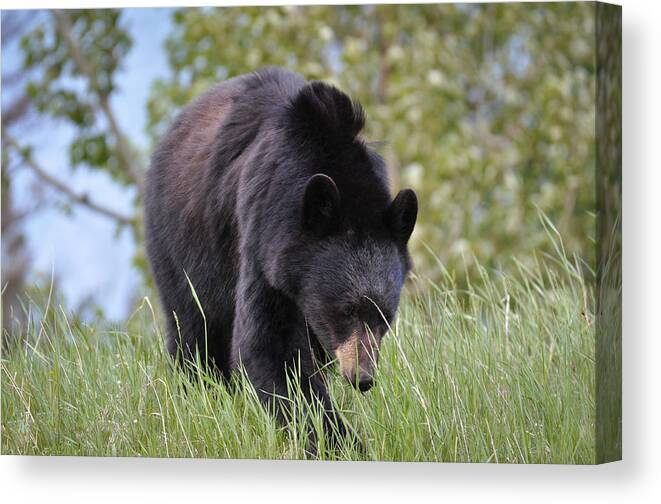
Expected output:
{"points": [[81, 199], [15, 110], [125, 155]]}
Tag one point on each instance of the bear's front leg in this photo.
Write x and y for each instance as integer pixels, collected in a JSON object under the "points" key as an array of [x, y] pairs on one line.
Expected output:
{"points": [[271, 343]]}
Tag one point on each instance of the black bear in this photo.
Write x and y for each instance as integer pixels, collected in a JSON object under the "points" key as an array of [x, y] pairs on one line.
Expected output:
{"points": [[265, 198]]}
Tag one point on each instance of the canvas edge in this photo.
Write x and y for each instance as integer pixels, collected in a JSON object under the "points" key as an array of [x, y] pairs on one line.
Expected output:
{"points": [[608, 143]]}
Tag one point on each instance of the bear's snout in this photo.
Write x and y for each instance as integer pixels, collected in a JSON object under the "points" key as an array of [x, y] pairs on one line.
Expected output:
{"points": [[357, 357], [365, 383]]}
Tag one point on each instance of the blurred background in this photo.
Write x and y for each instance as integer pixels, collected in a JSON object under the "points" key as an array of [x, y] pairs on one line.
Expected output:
{"points": [[487, 111]]}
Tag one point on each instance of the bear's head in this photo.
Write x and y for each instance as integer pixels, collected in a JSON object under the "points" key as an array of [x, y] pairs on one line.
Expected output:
{"points": [[351, 278]]}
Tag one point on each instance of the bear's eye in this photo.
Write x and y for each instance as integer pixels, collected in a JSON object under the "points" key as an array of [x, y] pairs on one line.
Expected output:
{"points": [[349, 311]]}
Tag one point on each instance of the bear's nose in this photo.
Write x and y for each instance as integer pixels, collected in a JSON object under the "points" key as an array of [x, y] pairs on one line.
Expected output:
{"points": [[364, 384]]}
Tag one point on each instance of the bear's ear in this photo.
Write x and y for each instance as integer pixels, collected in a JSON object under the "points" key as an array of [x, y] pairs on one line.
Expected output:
{"points": [[401, 215], [321, 205]]}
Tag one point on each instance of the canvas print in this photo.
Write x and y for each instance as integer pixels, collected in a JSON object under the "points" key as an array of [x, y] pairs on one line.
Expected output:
{"points": [[366, 232]]}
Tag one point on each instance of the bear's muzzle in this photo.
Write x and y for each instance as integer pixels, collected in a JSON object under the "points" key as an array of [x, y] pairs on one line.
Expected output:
{"points": [[357, 357]]}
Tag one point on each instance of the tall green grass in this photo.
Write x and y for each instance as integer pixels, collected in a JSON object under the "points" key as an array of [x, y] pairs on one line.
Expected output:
{"points": [[500, 371]]}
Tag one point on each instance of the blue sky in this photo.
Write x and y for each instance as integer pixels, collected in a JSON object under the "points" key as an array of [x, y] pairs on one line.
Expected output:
{"points": [[83, 250]]}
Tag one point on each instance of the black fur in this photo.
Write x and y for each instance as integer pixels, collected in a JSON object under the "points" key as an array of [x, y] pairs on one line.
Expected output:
{"points": [[265, 196]]}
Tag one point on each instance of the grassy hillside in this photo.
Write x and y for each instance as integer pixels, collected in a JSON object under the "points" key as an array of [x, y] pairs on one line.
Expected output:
{"points": [[503, 372]]}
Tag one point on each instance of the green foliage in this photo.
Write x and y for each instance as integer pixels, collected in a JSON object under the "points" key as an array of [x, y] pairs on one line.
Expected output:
{"points": [[503, 372], [487, 110], [74, 56], [77, 54]]}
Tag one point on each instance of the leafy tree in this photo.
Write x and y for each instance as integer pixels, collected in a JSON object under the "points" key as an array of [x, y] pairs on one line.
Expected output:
{"points": [[487, 110], [76, 55], [16, 111], [72, 58]]}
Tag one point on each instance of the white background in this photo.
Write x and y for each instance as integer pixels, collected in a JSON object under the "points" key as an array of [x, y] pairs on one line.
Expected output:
{"points": [[636, 479]]}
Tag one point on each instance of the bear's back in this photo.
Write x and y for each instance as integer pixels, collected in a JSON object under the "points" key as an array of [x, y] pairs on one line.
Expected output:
{"points": [[214, 131]]}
